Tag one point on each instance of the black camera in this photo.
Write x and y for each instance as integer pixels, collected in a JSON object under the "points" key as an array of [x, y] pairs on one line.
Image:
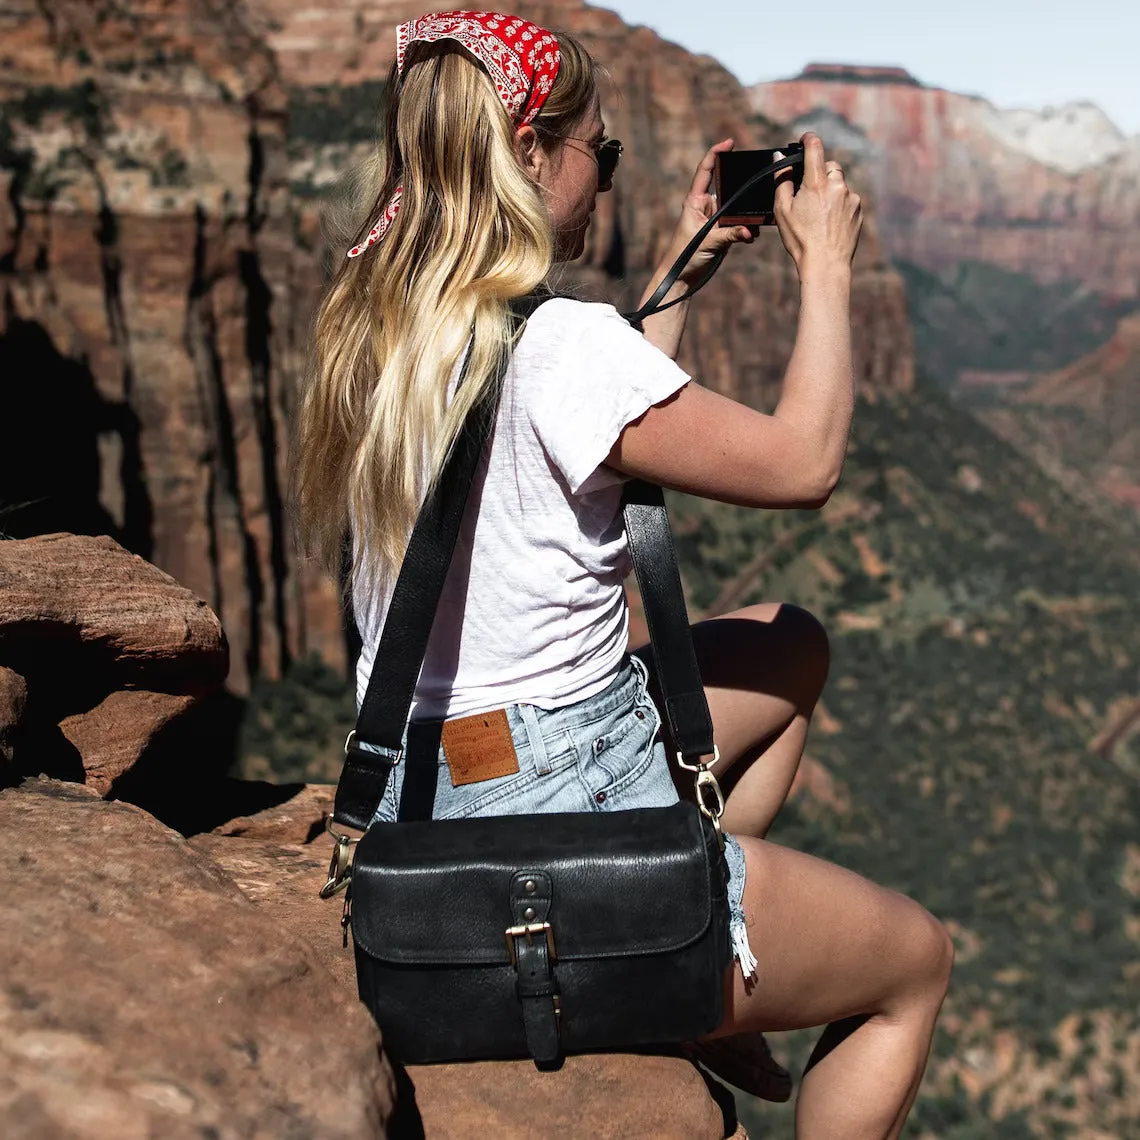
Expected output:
{"points": [[756, 206]]}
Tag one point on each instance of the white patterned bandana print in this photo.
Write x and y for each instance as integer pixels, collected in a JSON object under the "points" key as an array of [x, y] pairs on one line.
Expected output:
{"points": [[521, 58]]}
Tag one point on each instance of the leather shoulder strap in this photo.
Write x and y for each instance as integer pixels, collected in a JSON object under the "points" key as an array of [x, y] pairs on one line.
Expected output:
{"points": [[659, 579], [407, 629]]}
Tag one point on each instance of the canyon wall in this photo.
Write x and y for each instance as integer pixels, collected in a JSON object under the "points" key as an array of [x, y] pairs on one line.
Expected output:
{"points": [[147, 263], [1055, 194]]}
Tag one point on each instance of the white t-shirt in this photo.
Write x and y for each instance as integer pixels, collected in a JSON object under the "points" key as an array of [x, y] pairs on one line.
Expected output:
{"points": [[533, 609]]}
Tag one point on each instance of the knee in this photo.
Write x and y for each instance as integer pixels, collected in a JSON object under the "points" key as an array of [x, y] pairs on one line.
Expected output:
{"points": [[812, 649], [930, 953]]}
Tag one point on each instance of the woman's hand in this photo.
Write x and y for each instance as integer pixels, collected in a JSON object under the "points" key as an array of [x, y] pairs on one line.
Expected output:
{"points": [[700, 205], [821, 222]]}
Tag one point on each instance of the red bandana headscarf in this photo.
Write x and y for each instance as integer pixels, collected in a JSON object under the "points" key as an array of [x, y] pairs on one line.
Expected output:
{"points": [[521, 58]]}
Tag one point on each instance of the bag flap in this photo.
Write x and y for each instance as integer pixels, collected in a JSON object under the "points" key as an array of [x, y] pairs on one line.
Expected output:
{"points": [[624, 883]]}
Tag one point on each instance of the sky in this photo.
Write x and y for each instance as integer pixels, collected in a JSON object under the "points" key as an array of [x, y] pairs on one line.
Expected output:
{"points": [[1035, 53]]}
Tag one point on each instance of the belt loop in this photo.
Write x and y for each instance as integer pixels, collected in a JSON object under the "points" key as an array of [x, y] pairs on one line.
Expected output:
{"points": [[529, 716]]}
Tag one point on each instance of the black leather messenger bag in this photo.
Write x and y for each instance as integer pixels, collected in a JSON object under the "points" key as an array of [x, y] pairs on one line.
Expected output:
{"points": [[532, 935]]}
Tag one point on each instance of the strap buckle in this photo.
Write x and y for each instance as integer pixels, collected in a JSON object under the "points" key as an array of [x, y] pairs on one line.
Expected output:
{"points": [[700, 765], [340, 866], [710, 798], [350, 742], [528, 931]]}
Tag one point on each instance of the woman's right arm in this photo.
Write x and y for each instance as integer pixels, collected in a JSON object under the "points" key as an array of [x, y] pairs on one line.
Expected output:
{"points": [[709, 445]]}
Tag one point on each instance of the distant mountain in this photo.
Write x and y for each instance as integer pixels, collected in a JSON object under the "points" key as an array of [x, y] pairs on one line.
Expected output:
{"points": [[1018, 235], [1053, 193], [1083, 422]]}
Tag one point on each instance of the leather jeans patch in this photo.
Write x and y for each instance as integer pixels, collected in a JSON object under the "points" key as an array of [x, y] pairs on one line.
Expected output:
{"points": [[479, 747]]}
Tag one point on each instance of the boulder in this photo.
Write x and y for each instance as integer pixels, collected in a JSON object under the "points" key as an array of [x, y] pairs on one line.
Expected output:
{"points": [[70, 591], [632, 1097], [299, 819], [113, 736], [112, 649], [603, 1096], [13, 702], [142, 994]]}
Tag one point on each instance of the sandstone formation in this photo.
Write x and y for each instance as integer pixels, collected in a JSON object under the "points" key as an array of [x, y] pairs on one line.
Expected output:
{"points": [[141, 994], [146, 263], [13, 702], [298, 819], [109, 650], [112, 736], [617, 1097], [64, 592], [1054, 194]]}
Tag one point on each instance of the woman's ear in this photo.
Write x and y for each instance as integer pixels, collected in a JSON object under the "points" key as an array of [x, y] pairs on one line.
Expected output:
{"points": [[529, 150]]}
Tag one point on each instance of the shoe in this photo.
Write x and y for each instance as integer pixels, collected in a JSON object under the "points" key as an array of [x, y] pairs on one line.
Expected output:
{"points": [[744, 1060]]}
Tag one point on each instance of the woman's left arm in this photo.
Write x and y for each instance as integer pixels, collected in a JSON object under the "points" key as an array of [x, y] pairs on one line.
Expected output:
{"points": [[666, 329]]}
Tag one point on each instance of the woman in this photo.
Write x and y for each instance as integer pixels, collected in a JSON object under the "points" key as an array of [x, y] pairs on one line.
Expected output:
{"points": [[492, 155]]}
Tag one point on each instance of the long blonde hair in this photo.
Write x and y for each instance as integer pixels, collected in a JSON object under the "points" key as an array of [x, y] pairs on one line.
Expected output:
{"points": [[375, 424]]}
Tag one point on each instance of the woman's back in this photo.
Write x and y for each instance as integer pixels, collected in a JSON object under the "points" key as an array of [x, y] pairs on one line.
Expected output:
{"points": [[533, 609]]}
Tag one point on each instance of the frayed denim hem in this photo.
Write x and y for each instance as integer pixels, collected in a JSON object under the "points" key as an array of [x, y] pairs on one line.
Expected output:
{"points": [[737, 925]]}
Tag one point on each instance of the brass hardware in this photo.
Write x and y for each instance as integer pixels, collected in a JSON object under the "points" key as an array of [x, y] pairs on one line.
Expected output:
{"points": [[350, 739], [340, 866], [710, 798], [557, 1005], [527, 932], [531, 886], [707, 785], [700, 765], [346, 918], [528, 914], [339, 836], [712, 809]]}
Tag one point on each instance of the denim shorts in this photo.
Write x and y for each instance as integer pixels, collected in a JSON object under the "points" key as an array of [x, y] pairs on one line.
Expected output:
{"points": [[599, 754]]}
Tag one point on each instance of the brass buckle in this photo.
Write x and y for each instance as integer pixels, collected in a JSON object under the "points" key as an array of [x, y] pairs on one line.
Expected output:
{"points": [[350, 740], [340, 866], [527, 932], [710, 798], [701, 765]]}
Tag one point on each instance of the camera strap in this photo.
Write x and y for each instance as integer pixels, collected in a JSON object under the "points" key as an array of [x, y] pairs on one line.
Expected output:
{"points": [[653, 305]]}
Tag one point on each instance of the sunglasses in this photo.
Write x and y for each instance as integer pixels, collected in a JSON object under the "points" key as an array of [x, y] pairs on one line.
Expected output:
{"points": [[606, 154]]}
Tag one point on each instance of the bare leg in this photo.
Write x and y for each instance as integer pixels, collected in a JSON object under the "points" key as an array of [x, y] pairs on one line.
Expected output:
{"points": [[833, 947], [764, 668]]}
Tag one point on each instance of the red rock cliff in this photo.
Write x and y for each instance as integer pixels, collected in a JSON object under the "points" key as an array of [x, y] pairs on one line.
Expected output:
{"points": [[146, 260], [1055, 194]]}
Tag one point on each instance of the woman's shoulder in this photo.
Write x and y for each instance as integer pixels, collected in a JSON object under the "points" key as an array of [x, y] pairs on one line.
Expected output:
{"points": [[568, 317]]}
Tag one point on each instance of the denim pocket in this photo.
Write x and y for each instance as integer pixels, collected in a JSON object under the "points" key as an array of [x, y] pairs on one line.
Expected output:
{"points": [[620, 762]]}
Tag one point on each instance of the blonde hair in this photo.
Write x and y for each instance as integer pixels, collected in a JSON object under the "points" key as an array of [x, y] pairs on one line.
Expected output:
{"points": [[375, 424]]}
